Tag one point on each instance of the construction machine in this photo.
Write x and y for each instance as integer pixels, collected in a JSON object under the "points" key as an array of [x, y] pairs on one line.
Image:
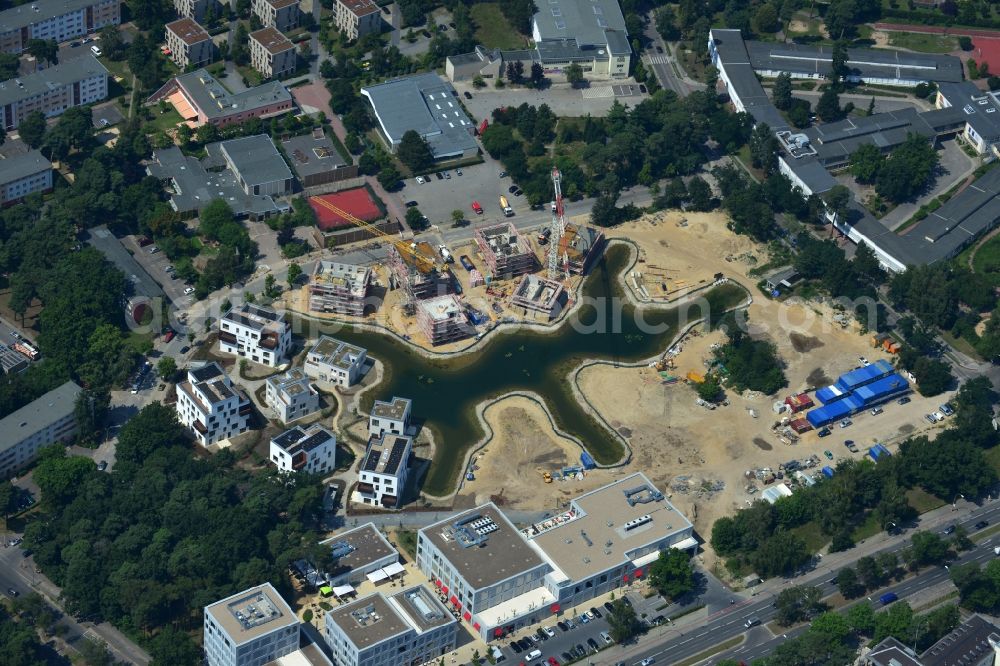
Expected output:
{"points": [[545, 475]]}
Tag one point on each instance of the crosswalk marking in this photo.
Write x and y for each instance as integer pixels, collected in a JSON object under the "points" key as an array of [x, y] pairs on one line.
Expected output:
{"points": [[658, 59], [598, 91]]}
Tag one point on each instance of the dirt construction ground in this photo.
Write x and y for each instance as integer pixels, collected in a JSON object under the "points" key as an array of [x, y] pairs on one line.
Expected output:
{"points": [[697, 456]]}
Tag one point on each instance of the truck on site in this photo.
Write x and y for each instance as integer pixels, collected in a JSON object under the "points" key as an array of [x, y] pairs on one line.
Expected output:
{"points": [[446, 254], [505, 207]]}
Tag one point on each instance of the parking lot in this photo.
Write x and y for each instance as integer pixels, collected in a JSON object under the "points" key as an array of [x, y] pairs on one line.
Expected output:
{"points": [[155, 265]]}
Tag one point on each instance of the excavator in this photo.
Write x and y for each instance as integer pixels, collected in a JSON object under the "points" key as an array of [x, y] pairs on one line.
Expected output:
{"points": [[545, 475], [424, 263]]}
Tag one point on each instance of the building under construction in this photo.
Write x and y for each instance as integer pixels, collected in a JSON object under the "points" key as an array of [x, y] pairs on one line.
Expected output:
{"points": [[579, 247], [443, 319], [416, 270], [341, 288], [539, 295], [507, 254]]}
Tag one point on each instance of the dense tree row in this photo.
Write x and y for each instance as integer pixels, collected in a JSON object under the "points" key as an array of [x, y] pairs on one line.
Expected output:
{"points": [[149, 545]]}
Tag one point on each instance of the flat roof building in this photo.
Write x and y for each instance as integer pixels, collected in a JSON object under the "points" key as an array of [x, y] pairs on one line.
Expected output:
{"points": [[199, 98], [506, 252], [259, 168], [334, 361], [442, 319], [20, 175], [358, 552], [384, 470], [340, 288], [315, 159], [53, 90], [975, 642], [250, 628], [390, 417], [539, 294], [357, 18], [573, 30], [282, 15], [255, 332], [410, 627], [272, 54], [58, 20], [189, 43], [291, 395], [49, 419], [428, 105], [211, 406], [312, 450]]}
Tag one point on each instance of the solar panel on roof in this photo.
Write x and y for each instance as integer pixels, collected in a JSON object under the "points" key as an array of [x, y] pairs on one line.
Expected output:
{"points": [[371, 462], [395, 456]]}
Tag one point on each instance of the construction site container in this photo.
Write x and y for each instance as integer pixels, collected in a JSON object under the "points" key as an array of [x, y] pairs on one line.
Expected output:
{"points": [[866, 375], [882, 389], [891, 347], [800, 425], [828, 472], [829, 394], [878, 452], [587, 461], [798, 403], [828, 413]]}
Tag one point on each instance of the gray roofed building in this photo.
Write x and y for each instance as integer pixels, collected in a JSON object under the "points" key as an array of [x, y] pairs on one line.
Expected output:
{"points": [[44, 421], [975, 642], [834, 142], [25, 164], [38, 83], [57, 20], [808, 174], [730, 56], [314, 158], [358, 552], [873, 65], [259, 167], [427, 105], [979, 109], [586, 21], [207, 100], [53, 90]]}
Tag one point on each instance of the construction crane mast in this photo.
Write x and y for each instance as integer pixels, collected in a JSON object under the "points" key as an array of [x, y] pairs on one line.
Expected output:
{"points": [[557, 228]]}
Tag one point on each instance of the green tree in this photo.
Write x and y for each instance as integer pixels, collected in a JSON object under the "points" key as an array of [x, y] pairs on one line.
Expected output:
{"points": [[700, 194], [414, 152], [389, 177], [828, 106], [765, 20], [537, 75], [848, 584], [574, 74], [7, 498], [907, 170], [764, 149], [928, 548], [294, 273], [43, 49], [32, 129], [709, 389], [666, 23], [622, 621], [112, 43], [837, 199], [415, 219], [838, 68], [166, 367], [866, 162], [861, 617], [672, 574], [783, 91], [798, 603], [457, 217]]}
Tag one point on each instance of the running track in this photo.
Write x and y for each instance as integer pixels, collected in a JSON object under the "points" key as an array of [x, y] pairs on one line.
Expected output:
{"points": [[938, 30]]}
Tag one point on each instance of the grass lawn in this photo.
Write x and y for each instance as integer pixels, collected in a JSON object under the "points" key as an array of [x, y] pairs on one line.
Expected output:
{"points": [[812, 535], [162, 121], [869, 528], [925, 43], [987, 259], [492, 28], [923, 501], [961, 344], [993, 457]]}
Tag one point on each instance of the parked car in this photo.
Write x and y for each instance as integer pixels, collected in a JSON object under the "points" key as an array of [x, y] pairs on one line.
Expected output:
{"points": [[946, 409], [552, 661], [930, 418], [642, 88], [188, 291], [515, 647], [949, 530], [824, 432], [12, 592], [876, 411], [512, 189], [154, 250], [439, 175], [659, 49], [751, 622], [501, 174], [606, 637], [562, 626], [185, 349], [447, 175], [608, 607], [468, 95], [518, 192], [421, 180], [845, 423], [458, 172], [411, 204], [981, 525], [477, 207], [584, 619], [904, 400], [646, 662], [101, 466], [595, 612], [169, 335], [144, 241], [593, 644], [829, 454], [549, 631], [863, 361], [938, 416]]}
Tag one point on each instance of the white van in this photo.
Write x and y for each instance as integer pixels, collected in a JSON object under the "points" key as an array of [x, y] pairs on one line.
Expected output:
{"points": [[96, 50], [534, 654], [606, 637]]}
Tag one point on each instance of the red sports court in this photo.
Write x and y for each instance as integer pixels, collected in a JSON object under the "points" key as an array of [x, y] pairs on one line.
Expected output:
{"points": [[358, 202]]}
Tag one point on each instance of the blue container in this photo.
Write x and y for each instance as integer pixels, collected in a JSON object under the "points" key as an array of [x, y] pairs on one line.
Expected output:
{"points": [[587, 461], [828, 472]]}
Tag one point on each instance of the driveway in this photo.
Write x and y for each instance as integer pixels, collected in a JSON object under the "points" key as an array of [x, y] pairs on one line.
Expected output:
{"points": [[953, 166]]}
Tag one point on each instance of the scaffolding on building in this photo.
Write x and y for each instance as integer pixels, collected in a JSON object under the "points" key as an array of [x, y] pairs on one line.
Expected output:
{"points": [[506, 252]]}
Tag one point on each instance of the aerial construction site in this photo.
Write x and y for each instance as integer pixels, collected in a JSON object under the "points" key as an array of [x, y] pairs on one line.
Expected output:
{"points": [[506, 252], [415, 269]]}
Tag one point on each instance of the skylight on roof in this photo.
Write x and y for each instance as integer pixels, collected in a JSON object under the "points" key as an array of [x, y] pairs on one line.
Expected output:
{"points": [[556, 11], [560, 25]]}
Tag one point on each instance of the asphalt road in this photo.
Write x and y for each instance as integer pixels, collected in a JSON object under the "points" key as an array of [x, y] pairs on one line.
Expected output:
{"points": [[682, 643]]}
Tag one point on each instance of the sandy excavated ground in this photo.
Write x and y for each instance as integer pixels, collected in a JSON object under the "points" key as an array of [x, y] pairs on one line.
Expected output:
{"points": [[686, 449]]}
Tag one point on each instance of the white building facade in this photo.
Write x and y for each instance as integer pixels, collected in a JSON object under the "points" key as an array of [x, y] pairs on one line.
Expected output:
{"points": [[390, 417], [23, 174], [59, 20], [312, 450], [384, 471], [47, 420], [255, 333], [211, 406], [336, 362], [251, 628], [291, 396]]}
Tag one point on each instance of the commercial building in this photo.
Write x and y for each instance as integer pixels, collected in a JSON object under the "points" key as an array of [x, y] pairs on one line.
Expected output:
{"points": [[357, 18], [408, 628], [291, 396], [857, 390], [417, 271], [272, 54], [189, 43], [975, 642], [502, 579], [47, 420], [340, 288], [506, 252], [442, 319], [539, 294], [357, 553], [59, 20], [390, 417], [312, 450], [252, 628], [315, 159], [384, 470], [427, 105], [590, 33], [211, 406], [281, 15], [336, 362], [200, 99], [579, 247], [52, 90], [196, 9], [20, 175], [259, 168], [255, 332]]}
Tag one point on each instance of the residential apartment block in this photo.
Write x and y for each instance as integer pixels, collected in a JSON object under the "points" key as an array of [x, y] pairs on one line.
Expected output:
{"points": [[48, 420], [291, 396], [282, 15], [196, 9], [59, 20], [404, 629], [200, 99], [20, 175], [503, 579], [211, 406], [336, 362], [251, 628], [341, 288], [272, 54], [256, 333], [390, 417], [357, 553], [357, 18], [312, 450], [506, 252], [384, 470], [442, 319], [189, 43], [53, 90]]}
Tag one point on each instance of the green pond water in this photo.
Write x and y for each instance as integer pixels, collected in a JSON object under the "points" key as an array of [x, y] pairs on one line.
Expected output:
{"points": [[446, 390]]}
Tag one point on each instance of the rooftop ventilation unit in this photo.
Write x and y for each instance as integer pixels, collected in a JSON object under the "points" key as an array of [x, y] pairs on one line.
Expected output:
{"points": [[637, 522]]}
